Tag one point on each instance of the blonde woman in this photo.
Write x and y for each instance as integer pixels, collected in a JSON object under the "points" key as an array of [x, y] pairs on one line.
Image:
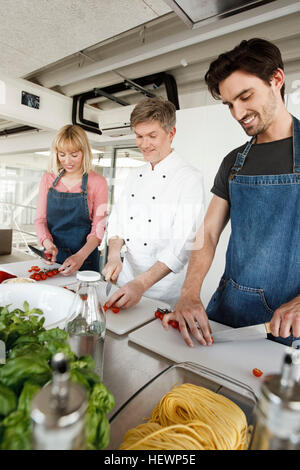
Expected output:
{"points": [[71, 206]]}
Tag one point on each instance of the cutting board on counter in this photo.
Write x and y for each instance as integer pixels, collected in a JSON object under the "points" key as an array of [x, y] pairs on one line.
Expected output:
{"points": [[20, 269], [121, 323], [234, 359]]}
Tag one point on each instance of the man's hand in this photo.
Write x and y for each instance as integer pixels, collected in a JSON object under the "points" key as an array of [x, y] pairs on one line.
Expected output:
{"points": [[51, 250], [187, 312], [286, 319], [112, 269], [127, 296], [71, 264]]}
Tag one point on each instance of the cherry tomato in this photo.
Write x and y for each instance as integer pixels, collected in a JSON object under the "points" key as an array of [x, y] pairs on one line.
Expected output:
{"points": [[37, 277], [212, 340], [55, 271], [115, 309], [174, 324], [105, 308], [48, 255], [44, 276], [49, 273], [32, 276], [35, 268], [157, 313], [161, 315], [30, 270], [257, 372]]}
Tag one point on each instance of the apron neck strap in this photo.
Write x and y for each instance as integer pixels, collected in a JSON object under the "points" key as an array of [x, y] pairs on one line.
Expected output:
{"points": [[60, 174], [84, 182], [296, 144], [240, 158]]}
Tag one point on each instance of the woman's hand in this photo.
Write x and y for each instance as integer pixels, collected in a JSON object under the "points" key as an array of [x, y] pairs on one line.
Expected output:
{"points": [[71, 264], [51, 251]]}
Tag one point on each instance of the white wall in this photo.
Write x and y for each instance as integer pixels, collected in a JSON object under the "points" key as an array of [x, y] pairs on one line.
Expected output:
{"points": [[205, 135]]}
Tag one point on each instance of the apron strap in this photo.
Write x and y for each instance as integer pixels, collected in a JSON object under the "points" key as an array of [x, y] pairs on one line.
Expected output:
{"points": [[84, 182], [240, 159], [296, 144], [58, 178]]}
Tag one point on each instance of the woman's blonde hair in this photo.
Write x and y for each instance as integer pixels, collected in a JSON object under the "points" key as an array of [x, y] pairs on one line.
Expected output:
{"points": [[71, 136]]}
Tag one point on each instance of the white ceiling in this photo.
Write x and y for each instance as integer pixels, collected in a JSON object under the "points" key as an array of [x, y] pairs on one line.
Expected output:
{"points": [[36, 33]]}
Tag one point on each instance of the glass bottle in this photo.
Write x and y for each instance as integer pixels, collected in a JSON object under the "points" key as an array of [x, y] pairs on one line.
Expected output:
{"points": [[86, 323], [58, 411]]}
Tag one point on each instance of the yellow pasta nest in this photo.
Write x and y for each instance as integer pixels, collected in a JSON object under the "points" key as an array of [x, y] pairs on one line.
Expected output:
{"points": [[190, 417]]}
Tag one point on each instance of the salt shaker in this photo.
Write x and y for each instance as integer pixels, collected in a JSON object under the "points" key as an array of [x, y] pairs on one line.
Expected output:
{"points": [[58, 411], [86, 322], [277, 412]]}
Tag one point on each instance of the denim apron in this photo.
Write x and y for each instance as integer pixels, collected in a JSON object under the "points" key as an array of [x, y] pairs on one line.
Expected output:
{"points": [[262, 269], [69, 223]]}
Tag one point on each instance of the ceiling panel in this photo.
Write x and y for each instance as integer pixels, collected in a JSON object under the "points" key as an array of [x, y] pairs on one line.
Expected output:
{"points": [[36, 33]]}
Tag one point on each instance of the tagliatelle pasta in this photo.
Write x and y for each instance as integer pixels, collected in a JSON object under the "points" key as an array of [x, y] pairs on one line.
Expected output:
{"points": [[190, 417]]}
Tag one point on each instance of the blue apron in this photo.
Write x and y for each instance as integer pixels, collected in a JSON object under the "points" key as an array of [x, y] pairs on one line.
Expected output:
{"points": [[69, 223], [262, 269]]}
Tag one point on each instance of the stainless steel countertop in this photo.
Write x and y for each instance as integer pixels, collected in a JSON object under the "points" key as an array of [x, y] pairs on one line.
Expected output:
{"points": [[127, 367]]}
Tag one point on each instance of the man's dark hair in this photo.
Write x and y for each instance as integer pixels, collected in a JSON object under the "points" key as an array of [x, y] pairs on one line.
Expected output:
{"points": [[256, 56]]}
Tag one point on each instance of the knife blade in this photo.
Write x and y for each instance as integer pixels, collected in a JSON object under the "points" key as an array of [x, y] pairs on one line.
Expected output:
{"points": [[38, 252], [108, 288], [244, 333]]}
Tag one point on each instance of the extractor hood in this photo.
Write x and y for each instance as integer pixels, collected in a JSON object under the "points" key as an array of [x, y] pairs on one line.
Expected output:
{"points": [[196, 13]]}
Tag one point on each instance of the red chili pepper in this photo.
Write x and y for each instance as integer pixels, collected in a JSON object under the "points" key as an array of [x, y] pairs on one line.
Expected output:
{"points": [[4, 275], [257, 372]]}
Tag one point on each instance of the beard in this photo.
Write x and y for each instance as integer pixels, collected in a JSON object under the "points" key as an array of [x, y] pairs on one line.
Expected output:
{"points": [[264, 118]]}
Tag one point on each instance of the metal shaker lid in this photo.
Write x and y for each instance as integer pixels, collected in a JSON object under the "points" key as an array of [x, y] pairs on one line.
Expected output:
{"points": [[47, 409], [282, 390]]}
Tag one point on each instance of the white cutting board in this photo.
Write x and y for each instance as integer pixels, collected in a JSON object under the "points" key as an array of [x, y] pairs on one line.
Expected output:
{"points": [[121, 323], [20, 269], [235, 359]]}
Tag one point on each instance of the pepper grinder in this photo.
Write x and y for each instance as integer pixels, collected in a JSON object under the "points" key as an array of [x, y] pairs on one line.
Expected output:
{"points": [[277, 412], [58, 411]]}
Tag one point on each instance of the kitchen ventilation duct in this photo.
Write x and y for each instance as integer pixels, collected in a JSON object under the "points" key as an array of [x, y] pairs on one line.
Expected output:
{"points": [[196, 13]]}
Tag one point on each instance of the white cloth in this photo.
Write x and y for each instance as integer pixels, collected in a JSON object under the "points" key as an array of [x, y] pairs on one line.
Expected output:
{"points": [[158, 215]]}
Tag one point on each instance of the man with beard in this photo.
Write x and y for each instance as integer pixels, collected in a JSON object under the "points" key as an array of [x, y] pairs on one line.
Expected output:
{"points": [[257, 188]]}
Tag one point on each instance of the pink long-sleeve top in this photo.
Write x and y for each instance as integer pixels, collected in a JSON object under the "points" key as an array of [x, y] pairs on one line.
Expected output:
{"points": [[97, 201]]}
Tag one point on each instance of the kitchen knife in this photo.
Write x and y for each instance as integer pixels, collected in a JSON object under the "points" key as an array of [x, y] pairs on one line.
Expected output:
{"points": [[38, 252], [245, 333], [108, 288]]}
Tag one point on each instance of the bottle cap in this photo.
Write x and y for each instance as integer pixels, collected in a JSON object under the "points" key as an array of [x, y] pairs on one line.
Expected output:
{"points": [[88, 276]]}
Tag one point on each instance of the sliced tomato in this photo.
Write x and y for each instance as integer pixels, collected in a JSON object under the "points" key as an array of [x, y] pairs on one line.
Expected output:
{"points": [[257, 372], [115, 309], [174, 324]]}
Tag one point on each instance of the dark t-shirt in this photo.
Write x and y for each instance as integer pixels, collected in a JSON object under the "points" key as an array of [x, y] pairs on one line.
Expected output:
{"points": [[270, 158]]}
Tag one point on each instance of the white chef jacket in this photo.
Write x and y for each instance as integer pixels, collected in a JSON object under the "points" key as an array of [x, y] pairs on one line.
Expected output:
{"points": [[157, 215]]}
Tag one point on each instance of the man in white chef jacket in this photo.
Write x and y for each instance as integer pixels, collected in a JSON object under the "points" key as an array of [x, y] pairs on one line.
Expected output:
{"points": [[157, 216]]}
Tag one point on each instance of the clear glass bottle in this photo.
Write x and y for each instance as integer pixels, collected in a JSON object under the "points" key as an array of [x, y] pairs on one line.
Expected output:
{"points": [[58, 411], [86, 322]]}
